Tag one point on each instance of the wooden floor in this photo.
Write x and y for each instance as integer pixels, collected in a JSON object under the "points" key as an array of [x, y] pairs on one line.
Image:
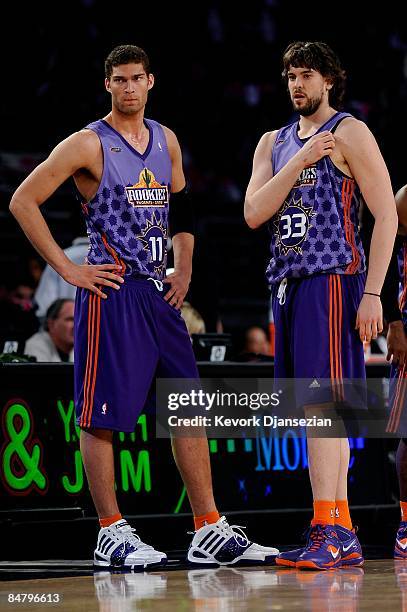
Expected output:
{"points": [[380, 586]]}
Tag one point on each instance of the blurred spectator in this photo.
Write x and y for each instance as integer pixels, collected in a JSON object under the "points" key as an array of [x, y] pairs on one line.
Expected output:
{"points": [[55, 342], [52, 286], [256, 341], [193, 320], [17, 313], [21, 294], [35, 267]]}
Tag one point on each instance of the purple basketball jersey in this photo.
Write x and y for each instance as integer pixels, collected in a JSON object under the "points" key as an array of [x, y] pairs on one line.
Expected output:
{"points": [[317, 228], [127, 220]]}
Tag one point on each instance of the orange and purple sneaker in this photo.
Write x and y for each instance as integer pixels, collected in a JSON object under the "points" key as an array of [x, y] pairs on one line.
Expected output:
{"points": [[351, 550], [289, 557], [323, 549], [400, 547]]}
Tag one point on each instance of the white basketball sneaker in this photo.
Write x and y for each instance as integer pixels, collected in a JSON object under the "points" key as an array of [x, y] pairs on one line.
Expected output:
{"points": [[119, 546], [219, 544]]}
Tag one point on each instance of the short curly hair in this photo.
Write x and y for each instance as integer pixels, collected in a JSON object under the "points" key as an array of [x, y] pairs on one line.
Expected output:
{"points": [[320, 57], [126, 54]]}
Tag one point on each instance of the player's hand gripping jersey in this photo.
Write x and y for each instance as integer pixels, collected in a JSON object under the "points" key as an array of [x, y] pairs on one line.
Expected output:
{"points": [[317, 228]]}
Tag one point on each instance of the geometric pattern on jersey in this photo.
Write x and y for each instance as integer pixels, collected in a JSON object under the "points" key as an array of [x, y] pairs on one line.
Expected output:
{"points": [[119, 546], [127, 219], [317, 227], [219, 544]]}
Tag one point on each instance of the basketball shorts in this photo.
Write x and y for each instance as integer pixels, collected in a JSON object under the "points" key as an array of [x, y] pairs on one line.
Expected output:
{"points": [[315, 337], [122, 344]]}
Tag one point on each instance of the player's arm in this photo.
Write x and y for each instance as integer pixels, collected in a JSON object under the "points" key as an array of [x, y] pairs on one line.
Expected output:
{"points": [[266, 192], [396, 336], [401, 204], [181, 226], [366, 163], [67, 157]]}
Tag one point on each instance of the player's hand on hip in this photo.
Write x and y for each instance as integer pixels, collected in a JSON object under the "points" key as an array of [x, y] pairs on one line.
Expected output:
{"points": [[369, 318], [396, 343], [179, 282], [93, 277], [317, 147]]}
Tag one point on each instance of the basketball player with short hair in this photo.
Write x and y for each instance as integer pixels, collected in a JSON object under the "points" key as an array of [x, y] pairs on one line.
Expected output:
{"points": [[127, 328], [307, 183]]}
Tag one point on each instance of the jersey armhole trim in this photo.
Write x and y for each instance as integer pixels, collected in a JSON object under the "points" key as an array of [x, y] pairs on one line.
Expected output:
{"points": [[88, 200]]}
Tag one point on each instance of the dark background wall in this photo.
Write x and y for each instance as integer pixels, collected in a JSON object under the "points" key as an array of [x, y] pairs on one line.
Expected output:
{"points": [[218, 85]]}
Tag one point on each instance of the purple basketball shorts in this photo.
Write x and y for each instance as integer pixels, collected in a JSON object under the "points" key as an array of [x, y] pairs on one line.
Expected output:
{"points": [[315, 335], [122, 344]]}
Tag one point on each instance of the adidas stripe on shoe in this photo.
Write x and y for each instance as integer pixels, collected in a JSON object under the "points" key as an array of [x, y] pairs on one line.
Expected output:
{"points": [[219, 544], [119, 546]]}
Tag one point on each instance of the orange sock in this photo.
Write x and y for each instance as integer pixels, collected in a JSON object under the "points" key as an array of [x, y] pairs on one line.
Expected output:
{"points": [[324, 512], [342, 516], [109, 520], [206, 519], [403, 506]]}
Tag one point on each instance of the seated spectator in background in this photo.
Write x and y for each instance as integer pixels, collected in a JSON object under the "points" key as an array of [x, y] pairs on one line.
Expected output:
{"points": [[21, 294], [253, 345], [193, 320], [35, 268], [256, 341], [17, 313], [52, 286], [55, 342]]}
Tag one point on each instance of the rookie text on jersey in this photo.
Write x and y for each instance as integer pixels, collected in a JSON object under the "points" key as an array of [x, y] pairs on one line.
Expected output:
{"points": [[156, 196]]}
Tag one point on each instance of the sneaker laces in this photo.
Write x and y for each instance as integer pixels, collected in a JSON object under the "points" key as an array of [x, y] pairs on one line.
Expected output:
{"points": [[317, 536], [128, 534], [235, 531]]}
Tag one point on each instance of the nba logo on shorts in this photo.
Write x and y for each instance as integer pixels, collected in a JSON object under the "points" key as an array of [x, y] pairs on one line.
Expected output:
{"points": [[104, 408]]}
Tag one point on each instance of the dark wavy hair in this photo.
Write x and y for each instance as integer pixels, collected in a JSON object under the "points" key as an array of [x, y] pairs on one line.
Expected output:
{"points": [[126, 54], [320, 57]]}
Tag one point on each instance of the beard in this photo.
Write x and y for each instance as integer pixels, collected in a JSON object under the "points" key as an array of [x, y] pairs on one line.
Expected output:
{"points": [[310, 107]]}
